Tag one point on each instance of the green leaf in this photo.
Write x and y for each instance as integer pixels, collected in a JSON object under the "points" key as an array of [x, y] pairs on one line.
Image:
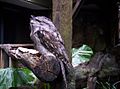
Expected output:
{"points": [[81, 55], [6, 77], [15, 77]]}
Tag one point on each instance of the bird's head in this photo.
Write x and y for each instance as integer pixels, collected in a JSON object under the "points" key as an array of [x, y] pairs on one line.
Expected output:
{"points": [[41, 23], [39, 19]]}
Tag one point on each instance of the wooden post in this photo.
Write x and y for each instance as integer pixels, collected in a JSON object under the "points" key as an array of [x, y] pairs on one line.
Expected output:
{"points": [[62, 18]]}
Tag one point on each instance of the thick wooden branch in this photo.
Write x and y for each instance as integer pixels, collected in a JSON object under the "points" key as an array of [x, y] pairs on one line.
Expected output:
{"points": [[46, 68], [101, 65]]}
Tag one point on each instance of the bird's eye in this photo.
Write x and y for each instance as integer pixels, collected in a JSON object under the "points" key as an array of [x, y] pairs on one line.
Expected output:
{"points": [[38, 20], [31, 21]]}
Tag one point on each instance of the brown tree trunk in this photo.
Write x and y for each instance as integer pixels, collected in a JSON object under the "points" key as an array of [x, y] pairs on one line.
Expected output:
{"points": [[62, 18]]}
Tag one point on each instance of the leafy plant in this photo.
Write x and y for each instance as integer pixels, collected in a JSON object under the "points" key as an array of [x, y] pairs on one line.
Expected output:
{"points": [[15, 77], [107, 85], [81, 55]]}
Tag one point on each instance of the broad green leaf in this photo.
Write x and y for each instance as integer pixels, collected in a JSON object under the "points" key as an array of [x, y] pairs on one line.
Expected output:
{"points": [[81, 55], [15, 77]]}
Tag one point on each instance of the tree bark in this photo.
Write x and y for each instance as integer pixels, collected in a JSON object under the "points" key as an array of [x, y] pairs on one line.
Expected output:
{"points": [[62, 18], [46, 68], [101, 65]]}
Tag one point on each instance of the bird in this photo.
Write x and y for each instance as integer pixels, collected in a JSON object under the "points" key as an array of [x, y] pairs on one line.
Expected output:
{"points": [[50, 38]]}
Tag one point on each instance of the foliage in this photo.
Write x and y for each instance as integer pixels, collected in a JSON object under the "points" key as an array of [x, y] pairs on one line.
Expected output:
{"points": [[15, 77], [81, 55], [107, 85]]}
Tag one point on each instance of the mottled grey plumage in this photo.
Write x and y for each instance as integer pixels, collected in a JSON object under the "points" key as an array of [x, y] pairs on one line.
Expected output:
{"points": [[51, 39]]}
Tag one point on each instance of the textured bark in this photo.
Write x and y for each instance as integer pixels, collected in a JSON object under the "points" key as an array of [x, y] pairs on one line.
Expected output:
{"points": [[62, 18], [46, 68], [101, 65]]}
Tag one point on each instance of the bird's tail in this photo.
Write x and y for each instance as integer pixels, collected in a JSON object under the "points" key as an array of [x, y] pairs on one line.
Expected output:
{"points": [[63, 73]]}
